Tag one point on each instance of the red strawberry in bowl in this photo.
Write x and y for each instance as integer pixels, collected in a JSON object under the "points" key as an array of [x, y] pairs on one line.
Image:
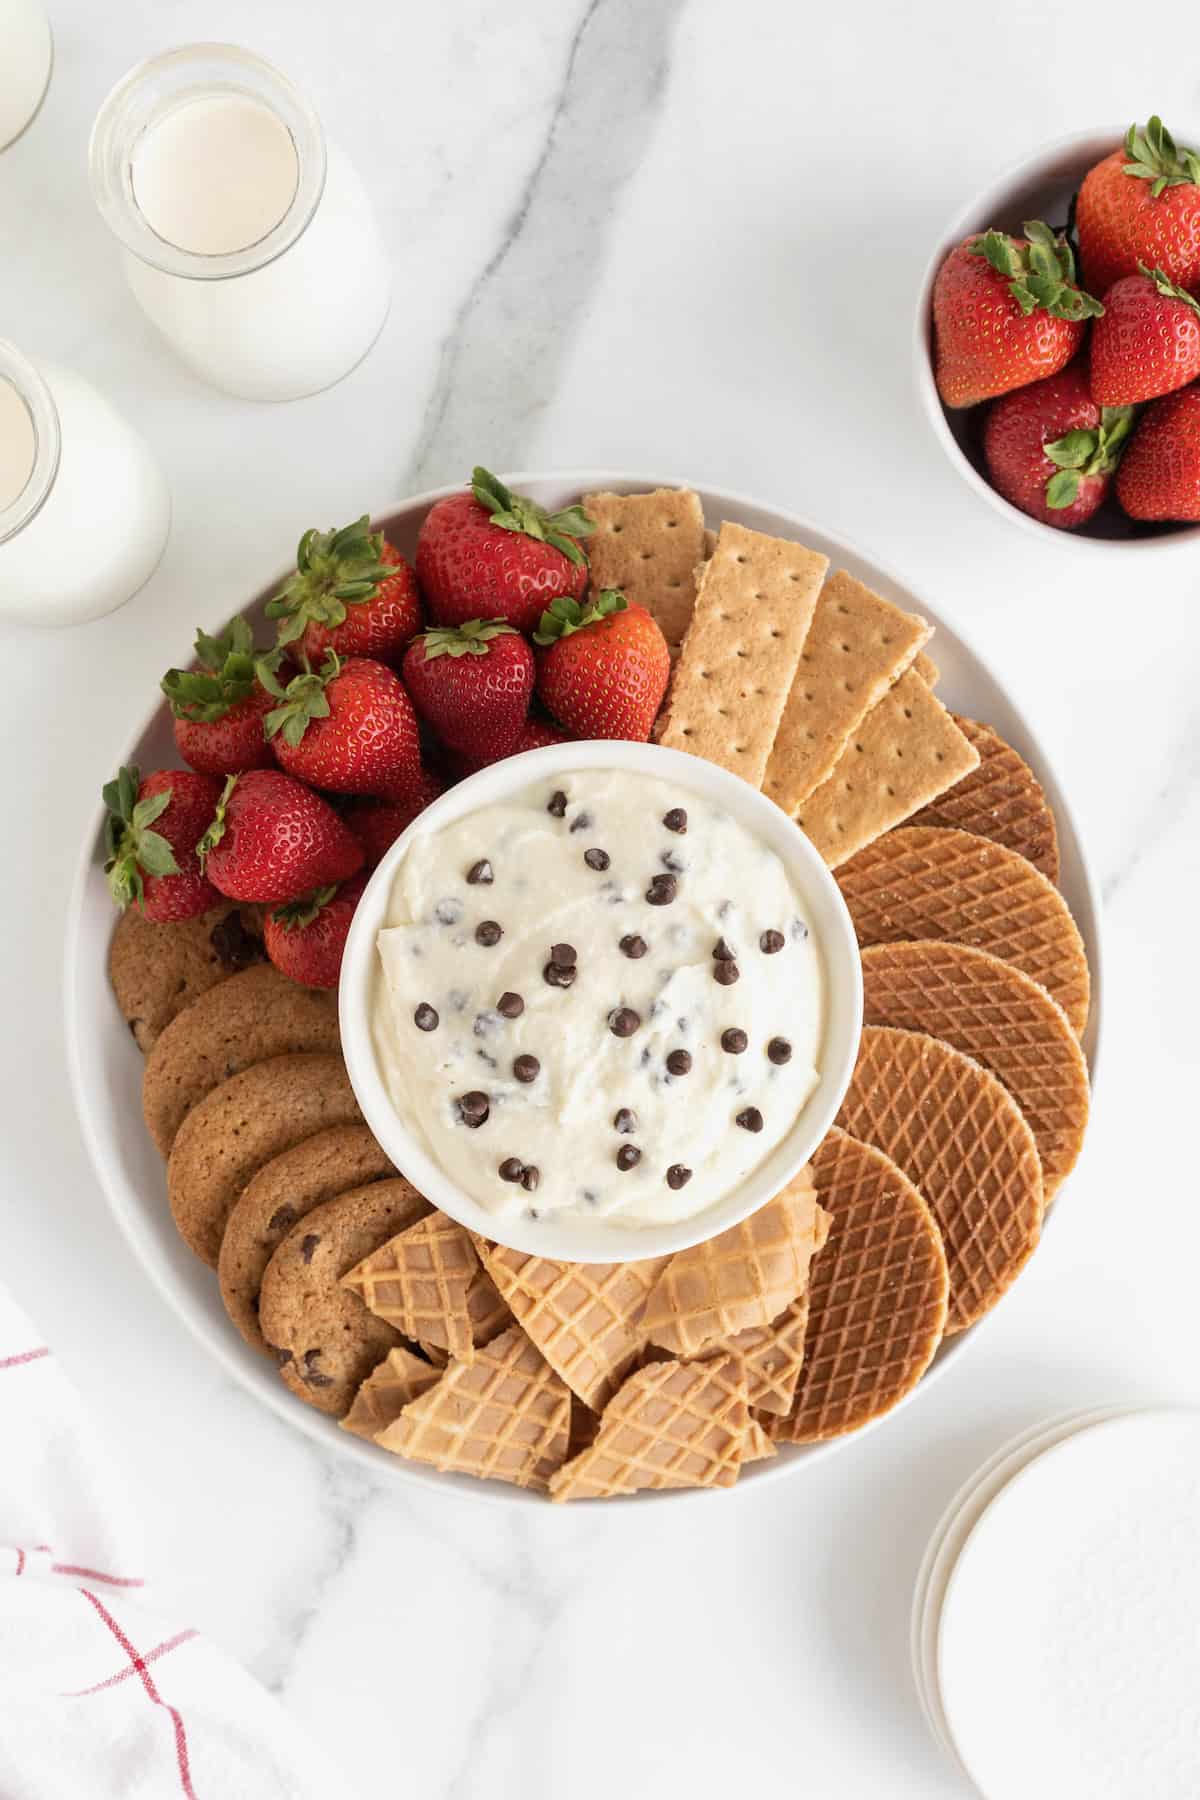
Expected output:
{"points": [[1052, 451], [491, 554], [1006, 311], [305, 939], [219, 706], [472, 685], [1147, 343], [272, 839], [352, 592], [378, 823], [1141, 205], [151, 833], [603, 667], [1160, 475], [349, 727]]}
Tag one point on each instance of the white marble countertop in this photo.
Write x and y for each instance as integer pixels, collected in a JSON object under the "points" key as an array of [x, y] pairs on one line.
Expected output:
{"points": [[671, 234]]}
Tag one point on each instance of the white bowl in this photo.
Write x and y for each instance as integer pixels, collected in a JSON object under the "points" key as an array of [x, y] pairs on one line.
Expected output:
{"points": [[1040, 186], [106, 1067], [833, 934]]}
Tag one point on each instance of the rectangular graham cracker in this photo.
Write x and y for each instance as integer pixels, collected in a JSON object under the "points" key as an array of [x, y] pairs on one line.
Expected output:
{"points": [[906, 751], [648, 545], [857, 646], [927, 669], [753, 611]]}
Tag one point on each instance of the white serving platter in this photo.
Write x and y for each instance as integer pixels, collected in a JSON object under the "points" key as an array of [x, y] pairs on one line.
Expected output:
{"points": [[106, 1066]]}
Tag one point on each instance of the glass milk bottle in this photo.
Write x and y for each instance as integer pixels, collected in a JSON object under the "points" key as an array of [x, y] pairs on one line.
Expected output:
{"points": [[84, 507], [247, 239], [26, 53]]}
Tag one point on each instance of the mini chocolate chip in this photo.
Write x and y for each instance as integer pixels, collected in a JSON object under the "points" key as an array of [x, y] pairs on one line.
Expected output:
{"points": [[526, 1069], [282, 1219], [722, 952], [510, 1005], [678, 1176], [624, 1120], [511, 1169], [308, 1245], [628, 1156], [726, 973], [283, 1357], [529, 1178], [473, 1108], [488, 932], [623, 1021], [750, 1119], [597, 859], [581, 821], [633, 946], [676, 820], [679, 1062], [662, 890], [558, 975], [779, 1050], [236, 947], [770, 942], [448, 912], [564, 955], [556, 806], [734, 1040], [425, 1018], [480, 873], [312, 1375]]}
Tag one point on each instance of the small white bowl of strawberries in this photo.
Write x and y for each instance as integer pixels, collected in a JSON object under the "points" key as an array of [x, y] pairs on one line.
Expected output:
{"points": [[1058, 340], [383, 682]]}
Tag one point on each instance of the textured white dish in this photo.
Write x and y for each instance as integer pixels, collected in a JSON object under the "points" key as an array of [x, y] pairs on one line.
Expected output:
{"points": [[106, 1066], [571, 1239], [1040, 186], [1067, 1650]]}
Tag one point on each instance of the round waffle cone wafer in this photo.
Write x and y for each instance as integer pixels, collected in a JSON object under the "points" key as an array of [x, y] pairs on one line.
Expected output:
{"points": [[923, 882], [1002, 799], [1003, 1020], [878, 1296], [961, 1138]]}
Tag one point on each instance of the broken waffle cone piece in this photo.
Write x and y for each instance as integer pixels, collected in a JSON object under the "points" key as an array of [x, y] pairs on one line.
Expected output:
{"points": [[585, 1318], [878, 1296], [741, 1278], [420, 1281], [927, 882], [773, 1355], [504, 1417], [756, 1446], [1002, 799], [672, 1425], [388, 1389], [961, 1138]]}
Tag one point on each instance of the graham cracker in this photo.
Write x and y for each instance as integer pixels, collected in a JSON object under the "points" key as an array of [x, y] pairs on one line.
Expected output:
{"points": [[857, 646], [753, 611], [927, 669], [648, 545], [906, 752]]}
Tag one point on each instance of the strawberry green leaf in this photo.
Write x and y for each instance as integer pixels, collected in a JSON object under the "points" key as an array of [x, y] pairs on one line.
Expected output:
{"points": [[334, 570], [304, 699], [224, 679], [151, 808], [1040, 271], [132, 850], [216, 830], [1073, 450], [564, 616], [1169, 289], [295, 914], [1154, 157], [516, 512], [1062, 489], [471, 639]]}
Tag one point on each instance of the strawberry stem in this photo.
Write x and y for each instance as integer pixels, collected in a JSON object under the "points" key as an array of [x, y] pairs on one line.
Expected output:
{"points": [[1155, 158], [334, 570], [224, 679], [564, 616], [295, 914], [471, 639], [1040, 272], [302, 700], [516, 512], [131, 848], [1086, 452]]}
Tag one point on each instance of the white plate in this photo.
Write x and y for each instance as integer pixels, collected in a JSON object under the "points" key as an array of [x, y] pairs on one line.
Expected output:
{"points": [[106, 1067], [1068, 1651]]}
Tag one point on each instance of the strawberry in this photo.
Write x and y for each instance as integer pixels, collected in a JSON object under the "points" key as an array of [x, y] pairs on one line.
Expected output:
{"points": [[603, 670], [493, 554], [1141, 205], [219, 706], [159, 868], [273, 839], [1006, 312], [350, 728], [472, 684], [535, 735], [1051, 450], [1147, 343], [1160, 475], [352, 592], [305, 939], [378, 823]]}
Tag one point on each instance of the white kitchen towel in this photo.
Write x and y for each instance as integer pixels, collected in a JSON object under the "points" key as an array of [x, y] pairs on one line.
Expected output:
{"points": [[99, 1698]]}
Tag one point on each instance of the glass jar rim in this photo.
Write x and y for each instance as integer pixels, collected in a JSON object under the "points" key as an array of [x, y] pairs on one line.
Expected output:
{"points": [[145, 96], [32, 389]]}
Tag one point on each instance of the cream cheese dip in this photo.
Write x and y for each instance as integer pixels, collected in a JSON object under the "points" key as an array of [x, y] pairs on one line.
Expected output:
{"points": [[599, 998]]}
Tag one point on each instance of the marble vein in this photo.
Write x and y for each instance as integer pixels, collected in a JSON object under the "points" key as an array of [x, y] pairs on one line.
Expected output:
{"points": [[1169, 806], [498, 364]]}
